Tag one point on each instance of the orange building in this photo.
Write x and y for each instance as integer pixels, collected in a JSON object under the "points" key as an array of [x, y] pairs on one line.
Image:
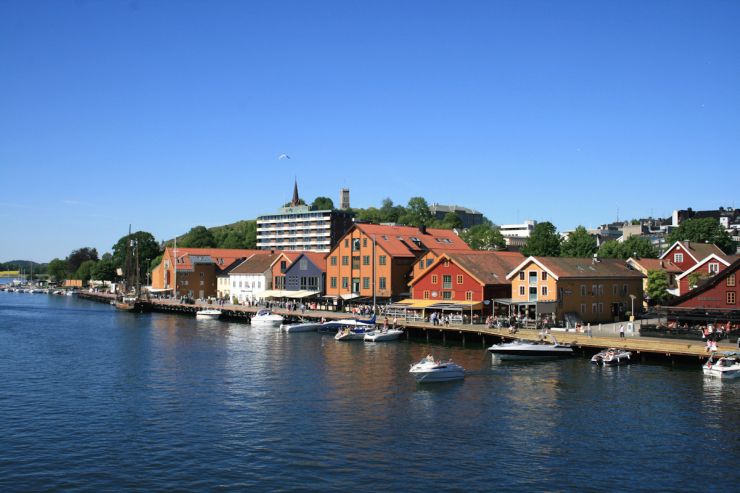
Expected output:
{"points": [[197, 270], [372, 259]]}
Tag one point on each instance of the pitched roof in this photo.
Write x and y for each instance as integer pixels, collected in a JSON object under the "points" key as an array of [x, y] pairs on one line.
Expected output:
{"points": [[709, 284], [256, 264], [316, 258], [221, 257], [698, 251], [657, 264], [407, 241], [571, 267], [487, 267]]}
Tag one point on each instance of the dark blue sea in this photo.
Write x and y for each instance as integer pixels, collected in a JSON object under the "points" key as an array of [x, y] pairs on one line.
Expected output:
{"points": [[96, 400]]}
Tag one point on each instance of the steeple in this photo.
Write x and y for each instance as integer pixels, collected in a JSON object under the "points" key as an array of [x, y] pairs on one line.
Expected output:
{"points": [[295, 200]]}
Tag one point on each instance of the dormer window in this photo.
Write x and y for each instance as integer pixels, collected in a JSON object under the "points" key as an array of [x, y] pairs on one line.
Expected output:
{"points": [[713, 268], [678, 258]]}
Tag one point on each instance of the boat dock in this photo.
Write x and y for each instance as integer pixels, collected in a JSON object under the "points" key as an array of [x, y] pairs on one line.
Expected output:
{"points": [[646, 348]]}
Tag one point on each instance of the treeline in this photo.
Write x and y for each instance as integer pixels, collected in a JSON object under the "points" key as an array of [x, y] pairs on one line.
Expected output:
{"points": [[25, 266]]}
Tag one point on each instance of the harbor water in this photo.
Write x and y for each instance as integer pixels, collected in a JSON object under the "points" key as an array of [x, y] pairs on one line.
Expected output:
{"points": [[96, 400]]}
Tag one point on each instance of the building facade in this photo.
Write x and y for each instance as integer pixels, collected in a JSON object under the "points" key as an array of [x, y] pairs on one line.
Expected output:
{"points": [[468, 217]]}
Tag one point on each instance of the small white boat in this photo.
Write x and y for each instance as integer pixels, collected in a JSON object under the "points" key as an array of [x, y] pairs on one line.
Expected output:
{"points": [[429, 370], [530, 350], [383, 335], [301, 327], [352, 333], [266, 317], [336, 325], [727, 366], [612, 357], [210, 314]]}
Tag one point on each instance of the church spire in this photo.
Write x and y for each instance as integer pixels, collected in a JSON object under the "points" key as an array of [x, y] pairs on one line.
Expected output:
{"points": [[295, 200]]}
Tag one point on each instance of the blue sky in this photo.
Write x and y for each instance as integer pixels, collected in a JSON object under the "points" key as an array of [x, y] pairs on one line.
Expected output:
{"points": [[170, 114]]}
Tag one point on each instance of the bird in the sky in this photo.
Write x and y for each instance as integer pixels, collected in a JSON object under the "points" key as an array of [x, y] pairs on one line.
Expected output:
{"points": [[283, 156]]}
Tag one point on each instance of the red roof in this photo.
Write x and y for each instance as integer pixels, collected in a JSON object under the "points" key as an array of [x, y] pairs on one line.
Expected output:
{"points": [[221, 257], [407, 241], [657, 264], [486, 266]]}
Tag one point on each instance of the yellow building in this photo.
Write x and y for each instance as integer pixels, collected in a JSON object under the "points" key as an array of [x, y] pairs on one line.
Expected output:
{"points": [[575, 289]]}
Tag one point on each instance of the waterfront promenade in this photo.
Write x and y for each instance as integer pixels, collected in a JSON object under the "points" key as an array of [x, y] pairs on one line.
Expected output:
{"points": [[645, 347]]}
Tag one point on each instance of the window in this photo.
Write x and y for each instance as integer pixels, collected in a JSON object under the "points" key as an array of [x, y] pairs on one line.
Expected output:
{"points": [[366, 260], [429, 262], [345, 260], [364, 242], [434, 279], [346, 243], [333, 282], [356, 262], [469, 296], [583, 308], [446, 295], [202, 275], [365, 283], [731, 279], [601, 290], [678, 258], [426, 295], [459, 279], [615, 289], [381, 282], [421, 264], [521, 276], [446, 262], [447, 282], [713, 268], [624, 290], [583, 291], [731, 298], [544, 290], [601, 308], [283, 265], [544, 275], [333, 260], [345, 283], [356, 244], [521, 290], [594, 289], [303, 264], [594, 307], [381, 260]]}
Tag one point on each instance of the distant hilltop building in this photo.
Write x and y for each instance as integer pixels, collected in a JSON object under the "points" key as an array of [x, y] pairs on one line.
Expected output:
{"points": [[516, 235], [469, 217], [728, 217], [344, 198], [297, 227]]}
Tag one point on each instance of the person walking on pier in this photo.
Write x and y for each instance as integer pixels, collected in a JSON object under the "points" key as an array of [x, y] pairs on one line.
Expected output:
{"points": [[621, 331]]}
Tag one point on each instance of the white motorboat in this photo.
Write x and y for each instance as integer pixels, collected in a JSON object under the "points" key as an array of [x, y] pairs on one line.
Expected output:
{"points": [[336, 325], [519, 349], [727, 366], [612, 357], [266, 317], [429, 370], [210, 314], [352, 333], [301, 327], [382, 335]]}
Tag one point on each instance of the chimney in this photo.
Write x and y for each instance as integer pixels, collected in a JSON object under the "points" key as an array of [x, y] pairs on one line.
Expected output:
{"points": [[423, 229], [688, 244]]}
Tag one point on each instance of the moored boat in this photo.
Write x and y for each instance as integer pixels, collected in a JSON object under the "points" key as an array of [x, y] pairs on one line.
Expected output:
{"points": [[383, 335], [266, 317], [520, 349], [210, 314], [352, 333], [612, 357], [726, 366], [333, 326], [429, 370], [301, 327]]}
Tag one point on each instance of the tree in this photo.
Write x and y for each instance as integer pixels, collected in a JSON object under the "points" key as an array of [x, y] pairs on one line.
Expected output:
{"points": [[77, 257], [390, 213], [657, 287], [322, 204], [543, 242], [707, 230], [148, 248], [198, 237], [417, 213], [369, 215], [104, 269], [450, 221], [483, 237], [58, 269], [85, 270], [579, 244], [634, 246]]}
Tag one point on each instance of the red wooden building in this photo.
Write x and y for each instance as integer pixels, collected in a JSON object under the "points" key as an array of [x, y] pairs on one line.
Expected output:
{"points": [[686, 254], [721, 291], [705, 268]]}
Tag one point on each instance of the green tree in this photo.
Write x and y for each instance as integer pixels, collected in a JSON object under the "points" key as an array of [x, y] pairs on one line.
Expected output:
{"points": [[85, 270], [638, 246], [58, 270], [543, 242], [483, 237], [610, 249], [707, 230], [450, 221], [390, 213], [104, 269], [657, 287], [579, 244], [77, 257], [322, 204], [417, 213], [199, 237], [369, 215], [147, 246]]}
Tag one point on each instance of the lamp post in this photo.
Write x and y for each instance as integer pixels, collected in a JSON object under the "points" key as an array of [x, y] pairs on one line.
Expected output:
{"points": [[632, 297]]}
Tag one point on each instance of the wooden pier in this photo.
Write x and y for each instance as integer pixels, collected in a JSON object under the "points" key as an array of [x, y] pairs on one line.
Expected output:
{"points": [[476, 335]]}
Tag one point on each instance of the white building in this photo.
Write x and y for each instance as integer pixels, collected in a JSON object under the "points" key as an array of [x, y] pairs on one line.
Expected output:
{"points": [[511, 232], [250, 279]]}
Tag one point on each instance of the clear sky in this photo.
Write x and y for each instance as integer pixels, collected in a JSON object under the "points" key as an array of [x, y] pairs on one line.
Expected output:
{"points": [[170, 114]]}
